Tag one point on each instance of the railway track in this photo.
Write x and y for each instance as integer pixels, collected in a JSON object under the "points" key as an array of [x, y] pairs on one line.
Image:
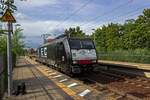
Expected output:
{"points": [[118, 85], [121, 85]]}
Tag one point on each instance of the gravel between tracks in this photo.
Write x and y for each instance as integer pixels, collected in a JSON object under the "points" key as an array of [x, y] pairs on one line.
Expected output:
{"points": [[126, 85]]}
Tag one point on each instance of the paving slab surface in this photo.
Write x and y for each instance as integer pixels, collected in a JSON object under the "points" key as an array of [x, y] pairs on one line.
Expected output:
{"points": [[126, 64], [45, 83], [38, 86]]}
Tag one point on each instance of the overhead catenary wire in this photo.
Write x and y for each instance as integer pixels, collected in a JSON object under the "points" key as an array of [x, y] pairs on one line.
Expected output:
{"points": [[75, 12], [95, 18], [84, 5], [108, 12], [128, 14]]}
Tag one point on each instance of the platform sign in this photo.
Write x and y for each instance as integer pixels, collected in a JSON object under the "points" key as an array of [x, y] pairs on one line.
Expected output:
{"points": [[8, 17]]}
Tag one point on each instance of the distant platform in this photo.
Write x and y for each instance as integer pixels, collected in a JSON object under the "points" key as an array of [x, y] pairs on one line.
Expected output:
{"points": [[126, 64]]}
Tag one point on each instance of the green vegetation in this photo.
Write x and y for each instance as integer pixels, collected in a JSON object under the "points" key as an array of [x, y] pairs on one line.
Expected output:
{"points": [[3, 46], [138, 55], [124, 42], [17, 44], [75, 32]]}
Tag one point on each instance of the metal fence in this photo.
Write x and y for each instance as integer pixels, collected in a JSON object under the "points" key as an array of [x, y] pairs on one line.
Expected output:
{"points": [[3, 76]]}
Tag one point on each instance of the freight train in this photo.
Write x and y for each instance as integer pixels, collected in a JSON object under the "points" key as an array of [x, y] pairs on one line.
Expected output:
{"points": [[69, 55]]}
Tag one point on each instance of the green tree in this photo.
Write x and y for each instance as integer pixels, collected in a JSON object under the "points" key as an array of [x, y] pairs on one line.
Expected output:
{"points": [[75, 32], [3, 44], [18, 44], [128, 29], [109, 37], [133, 34]]}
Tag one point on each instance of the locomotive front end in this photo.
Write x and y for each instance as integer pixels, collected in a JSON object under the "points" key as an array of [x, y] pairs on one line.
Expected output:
{"points": [[83, 53]]}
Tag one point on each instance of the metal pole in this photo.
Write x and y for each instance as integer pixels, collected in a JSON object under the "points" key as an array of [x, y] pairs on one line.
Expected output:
{"points": [[94, 38], [9, 59], [9, 55]]}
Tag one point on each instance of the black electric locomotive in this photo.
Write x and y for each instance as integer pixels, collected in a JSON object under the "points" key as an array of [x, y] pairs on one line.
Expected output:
{"points": [[69, 55]]}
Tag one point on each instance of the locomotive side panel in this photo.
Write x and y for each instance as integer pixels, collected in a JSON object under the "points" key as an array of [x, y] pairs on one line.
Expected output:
{"points": [[61, 56], [51, 54], [69, 55]]}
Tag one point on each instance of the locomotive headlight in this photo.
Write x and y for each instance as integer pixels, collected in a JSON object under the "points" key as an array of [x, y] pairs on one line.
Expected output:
{"points": [[75, 62]]}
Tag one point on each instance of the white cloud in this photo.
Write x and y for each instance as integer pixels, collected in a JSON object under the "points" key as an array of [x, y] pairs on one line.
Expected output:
{"points": [[41, 27], [35, 3], [21, 16]]}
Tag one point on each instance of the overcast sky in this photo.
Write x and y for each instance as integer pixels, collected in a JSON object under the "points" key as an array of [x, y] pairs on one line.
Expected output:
{"points": [[49, 16]]}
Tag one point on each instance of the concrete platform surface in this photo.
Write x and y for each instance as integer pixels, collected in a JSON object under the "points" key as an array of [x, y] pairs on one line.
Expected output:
{"points": [[126, 64], [45, 83], [38, 86]]}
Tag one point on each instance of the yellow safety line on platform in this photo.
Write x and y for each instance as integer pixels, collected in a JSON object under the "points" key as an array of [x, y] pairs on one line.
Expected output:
{"points": [[147, 74], [67, 90], [63, 87]]}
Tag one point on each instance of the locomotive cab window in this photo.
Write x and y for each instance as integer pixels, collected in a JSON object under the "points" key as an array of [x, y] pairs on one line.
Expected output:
{"points": [[75, 44], [81, 44], [87, 44]]}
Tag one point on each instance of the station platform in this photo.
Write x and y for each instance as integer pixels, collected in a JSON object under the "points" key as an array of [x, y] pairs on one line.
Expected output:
{"points": [[125, 64], [44, 83], [38, 86]]}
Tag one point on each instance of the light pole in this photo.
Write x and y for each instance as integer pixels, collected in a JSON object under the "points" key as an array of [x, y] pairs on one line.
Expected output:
{"points": [[94, 36]]}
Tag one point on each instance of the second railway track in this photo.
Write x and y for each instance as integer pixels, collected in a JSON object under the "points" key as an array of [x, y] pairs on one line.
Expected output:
{"points": [[126, 85]]}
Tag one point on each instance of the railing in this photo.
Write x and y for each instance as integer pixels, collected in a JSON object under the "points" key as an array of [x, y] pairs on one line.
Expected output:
{"points": [[3, 76]]}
